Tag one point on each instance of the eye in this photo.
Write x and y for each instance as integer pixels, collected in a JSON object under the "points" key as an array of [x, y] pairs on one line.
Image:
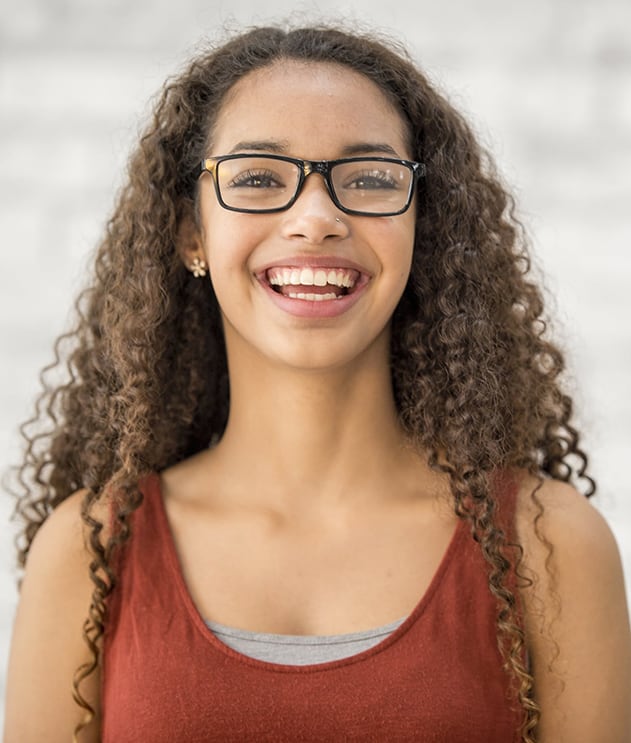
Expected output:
{"points": [[257, 179], [373, 179]]}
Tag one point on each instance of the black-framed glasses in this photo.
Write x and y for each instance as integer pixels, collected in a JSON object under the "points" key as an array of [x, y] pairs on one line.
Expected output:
{"points": [[366, 186]]}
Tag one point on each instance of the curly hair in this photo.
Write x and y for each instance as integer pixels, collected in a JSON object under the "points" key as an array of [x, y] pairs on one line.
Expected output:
{"points": [[476, 381]]}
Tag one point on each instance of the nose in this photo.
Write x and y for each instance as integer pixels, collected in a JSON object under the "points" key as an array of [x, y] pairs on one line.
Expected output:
{"points": [[314, 217]]}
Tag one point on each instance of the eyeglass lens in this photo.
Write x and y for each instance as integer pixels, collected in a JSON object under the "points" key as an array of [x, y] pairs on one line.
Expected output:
{"points": [[261, 183]]}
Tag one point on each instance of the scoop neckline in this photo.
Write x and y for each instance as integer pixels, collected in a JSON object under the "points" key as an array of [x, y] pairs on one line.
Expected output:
{"points": [[153, 482], [288, 639]]}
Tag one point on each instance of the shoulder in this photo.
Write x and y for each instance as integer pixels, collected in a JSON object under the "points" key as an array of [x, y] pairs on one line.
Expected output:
{"points": [[553, 517], [63, 538], [48, 645], [575, 615], [569, 548]]}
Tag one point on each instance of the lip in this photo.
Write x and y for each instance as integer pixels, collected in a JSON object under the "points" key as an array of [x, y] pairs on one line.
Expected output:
{"points": [[314, 308]]}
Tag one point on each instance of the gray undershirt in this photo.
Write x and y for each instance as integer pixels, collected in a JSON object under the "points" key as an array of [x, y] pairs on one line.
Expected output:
{"points": [[300, 650]]}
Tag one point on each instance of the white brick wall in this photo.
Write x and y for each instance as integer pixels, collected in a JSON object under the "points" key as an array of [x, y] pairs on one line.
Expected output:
{"points": [[548, 84]]}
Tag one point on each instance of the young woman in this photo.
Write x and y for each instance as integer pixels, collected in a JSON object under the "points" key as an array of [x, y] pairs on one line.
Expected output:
{"points": [[309, 479]]}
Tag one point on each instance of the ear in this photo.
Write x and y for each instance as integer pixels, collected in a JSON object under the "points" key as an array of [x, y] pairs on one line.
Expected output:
{"points": [[189, 240]]}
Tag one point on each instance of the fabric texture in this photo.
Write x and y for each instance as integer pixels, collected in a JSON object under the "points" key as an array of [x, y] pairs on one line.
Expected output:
{"points": [[438, 678], [300, 650]]}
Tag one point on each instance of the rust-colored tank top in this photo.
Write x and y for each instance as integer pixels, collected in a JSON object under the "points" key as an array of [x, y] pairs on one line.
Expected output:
{"points": [[438, 678]]}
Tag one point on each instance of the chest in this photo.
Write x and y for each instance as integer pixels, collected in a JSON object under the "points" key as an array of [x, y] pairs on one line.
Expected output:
{"points": [[257, 572], [404, 695]]}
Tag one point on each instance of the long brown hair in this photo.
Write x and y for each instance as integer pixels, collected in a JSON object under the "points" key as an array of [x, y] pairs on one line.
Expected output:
{"points": [[475, 379]]}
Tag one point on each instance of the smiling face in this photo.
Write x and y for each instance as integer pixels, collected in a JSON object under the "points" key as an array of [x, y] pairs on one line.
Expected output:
{"points": [[311, 287]]}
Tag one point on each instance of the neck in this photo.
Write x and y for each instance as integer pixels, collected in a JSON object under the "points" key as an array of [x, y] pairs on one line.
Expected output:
{"points": [[313, 438]]}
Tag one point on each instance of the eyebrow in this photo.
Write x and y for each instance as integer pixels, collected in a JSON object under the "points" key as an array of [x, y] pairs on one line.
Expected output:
{"points": [[281, 147], [364, 148], [267, 145]]}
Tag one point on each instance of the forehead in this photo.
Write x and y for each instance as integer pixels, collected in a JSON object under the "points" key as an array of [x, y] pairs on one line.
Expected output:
{"points": [[318, 104]]}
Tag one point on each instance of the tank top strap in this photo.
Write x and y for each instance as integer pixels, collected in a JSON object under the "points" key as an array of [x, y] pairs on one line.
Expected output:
{"points": [[505, 487]]}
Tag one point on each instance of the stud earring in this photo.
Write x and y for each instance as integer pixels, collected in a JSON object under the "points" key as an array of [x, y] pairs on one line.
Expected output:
{"points": [[198, 267]]}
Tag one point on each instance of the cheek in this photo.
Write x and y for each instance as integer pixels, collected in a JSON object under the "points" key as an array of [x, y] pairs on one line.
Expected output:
{"points": [[404, 249], [228, 240], [398, 241], [230, 244]]}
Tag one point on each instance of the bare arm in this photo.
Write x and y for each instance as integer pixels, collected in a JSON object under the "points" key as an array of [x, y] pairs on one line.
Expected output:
{"points": [[584, 691], [47, 645]]}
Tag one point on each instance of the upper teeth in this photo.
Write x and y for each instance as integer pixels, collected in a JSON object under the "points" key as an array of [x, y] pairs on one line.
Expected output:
{"points": [[343, 277]]}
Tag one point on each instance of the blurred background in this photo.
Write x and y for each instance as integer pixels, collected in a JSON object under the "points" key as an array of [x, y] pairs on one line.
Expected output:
{"points": [[547, 85]]}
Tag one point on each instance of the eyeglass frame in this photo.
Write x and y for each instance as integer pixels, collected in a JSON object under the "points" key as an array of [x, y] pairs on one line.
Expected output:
{"points": [[307, 167]]}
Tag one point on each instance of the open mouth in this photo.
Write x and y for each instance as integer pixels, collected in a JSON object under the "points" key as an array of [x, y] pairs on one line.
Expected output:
{"points": [[312, 284]]}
